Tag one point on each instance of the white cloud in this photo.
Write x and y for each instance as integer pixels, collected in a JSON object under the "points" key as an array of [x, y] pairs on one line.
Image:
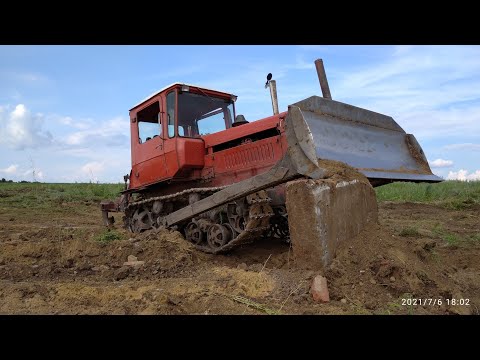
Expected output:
{"points": [[464, 146], [463, 175], [20, 129], [94, 166], [67, 120], [12, 169], [92, 169], [440, 163], [16, 172], [80, 150], [436, 123], [89, 164], [114, 132], [301, 64], [33, 174]]}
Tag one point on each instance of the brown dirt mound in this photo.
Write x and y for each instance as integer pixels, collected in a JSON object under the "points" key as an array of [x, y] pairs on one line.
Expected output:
{"points": [[340, 171], [377, 269]]}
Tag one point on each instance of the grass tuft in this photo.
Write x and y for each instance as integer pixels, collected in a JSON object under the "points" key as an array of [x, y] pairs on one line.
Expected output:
{"points": [[108, 236], [475, 237], [450, 238], [254, 304], [409, 232]]}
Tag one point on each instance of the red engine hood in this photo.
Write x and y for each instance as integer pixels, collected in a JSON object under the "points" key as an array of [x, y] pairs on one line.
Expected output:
{"points": [[242, 130]]}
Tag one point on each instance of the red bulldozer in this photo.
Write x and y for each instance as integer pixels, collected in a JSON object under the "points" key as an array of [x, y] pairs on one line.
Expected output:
{"points": [[218, 177]]}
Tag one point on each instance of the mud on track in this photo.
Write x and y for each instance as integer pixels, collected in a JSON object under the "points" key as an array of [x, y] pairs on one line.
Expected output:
{"points": [[51, 263]]}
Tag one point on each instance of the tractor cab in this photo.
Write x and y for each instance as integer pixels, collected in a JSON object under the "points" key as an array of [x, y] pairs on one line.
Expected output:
{"points": [[198, 113], [190, 111], [167, 129]]}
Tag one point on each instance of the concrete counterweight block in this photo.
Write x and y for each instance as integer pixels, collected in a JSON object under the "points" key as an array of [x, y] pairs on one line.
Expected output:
{"points": [[324, 213]]}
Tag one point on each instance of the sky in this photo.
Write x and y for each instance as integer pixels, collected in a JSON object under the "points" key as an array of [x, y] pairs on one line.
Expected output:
{"points": [[64, 109]]}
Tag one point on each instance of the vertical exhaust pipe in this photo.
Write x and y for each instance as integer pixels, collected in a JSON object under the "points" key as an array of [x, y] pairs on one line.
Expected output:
{"points": [[322, 78], [273, 94]]}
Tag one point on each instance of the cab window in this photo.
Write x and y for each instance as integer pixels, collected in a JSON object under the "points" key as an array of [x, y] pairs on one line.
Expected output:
{"points": [[211, 122], [149, 125], [200, 114]]}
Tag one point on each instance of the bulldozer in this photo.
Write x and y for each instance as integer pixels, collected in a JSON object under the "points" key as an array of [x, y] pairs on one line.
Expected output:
{"points": [[200, 168]]}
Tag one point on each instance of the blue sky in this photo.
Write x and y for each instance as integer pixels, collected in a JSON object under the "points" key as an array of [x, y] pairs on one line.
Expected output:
{"points": [[64, 109]]}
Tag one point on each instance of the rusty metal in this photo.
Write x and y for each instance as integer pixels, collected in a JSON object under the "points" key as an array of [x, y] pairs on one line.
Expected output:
{"points": [[301, 146], [106, 207], [322, 78], [371, 142], [221, 238], [141, 220], [256, 225], [276, 175], [107, 221], [194, 234], [218, 235]]}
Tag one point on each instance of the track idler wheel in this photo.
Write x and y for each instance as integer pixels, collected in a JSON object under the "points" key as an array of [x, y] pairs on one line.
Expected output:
{"points": [[141, 220], [218, 235], [236, 216], [194, 234]]}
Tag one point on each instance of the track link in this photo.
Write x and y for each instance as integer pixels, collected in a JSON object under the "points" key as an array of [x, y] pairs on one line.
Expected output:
{"points": [[208, 233]]}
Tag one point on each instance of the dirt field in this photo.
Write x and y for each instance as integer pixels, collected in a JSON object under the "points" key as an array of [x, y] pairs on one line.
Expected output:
{"points": [[51, 262]]}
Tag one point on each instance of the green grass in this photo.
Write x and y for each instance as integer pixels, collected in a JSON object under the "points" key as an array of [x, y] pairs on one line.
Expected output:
{"points": [[254, 304], [450, 194], [393, 307], [396, 306], [475, 238], [451, 239], [40, 195], [455, 239], [409, 232], [107, 236]]}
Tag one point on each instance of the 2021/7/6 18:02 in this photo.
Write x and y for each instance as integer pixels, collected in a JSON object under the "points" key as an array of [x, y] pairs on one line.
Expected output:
{"points": [[434, 302]]}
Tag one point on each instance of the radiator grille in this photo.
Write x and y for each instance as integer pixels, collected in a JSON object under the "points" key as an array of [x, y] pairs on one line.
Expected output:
{"points": [[248, 156]]}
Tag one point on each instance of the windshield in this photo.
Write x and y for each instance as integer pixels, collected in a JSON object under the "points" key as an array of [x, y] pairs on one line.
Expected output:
{"points": [[201, 114]]}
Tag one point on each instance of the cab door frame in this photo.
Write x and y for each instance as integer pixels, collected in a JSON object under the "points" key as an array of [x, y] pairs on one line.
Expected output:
{"points": [[148, 158]]}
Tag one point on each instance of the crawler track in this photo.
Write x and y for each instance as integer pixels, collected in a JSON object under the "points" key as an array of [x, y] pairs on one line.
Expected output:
{"points": [[215, 231]]}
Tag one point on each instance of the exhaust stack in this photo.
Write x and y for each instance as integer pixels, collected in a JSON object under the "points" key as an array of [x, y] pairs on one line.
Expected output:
{"points": [[273, 93], [322, 78]]}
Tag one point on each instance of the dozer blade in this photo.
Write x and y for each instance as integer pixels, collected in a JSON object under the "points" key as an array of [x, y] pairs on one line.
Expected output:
{"points": [[372, 143]]}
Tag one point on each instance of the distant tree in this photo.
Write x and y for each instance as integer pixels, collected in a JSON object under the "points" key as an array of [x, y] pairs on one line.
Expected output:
{"points": [[3, 180]]}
